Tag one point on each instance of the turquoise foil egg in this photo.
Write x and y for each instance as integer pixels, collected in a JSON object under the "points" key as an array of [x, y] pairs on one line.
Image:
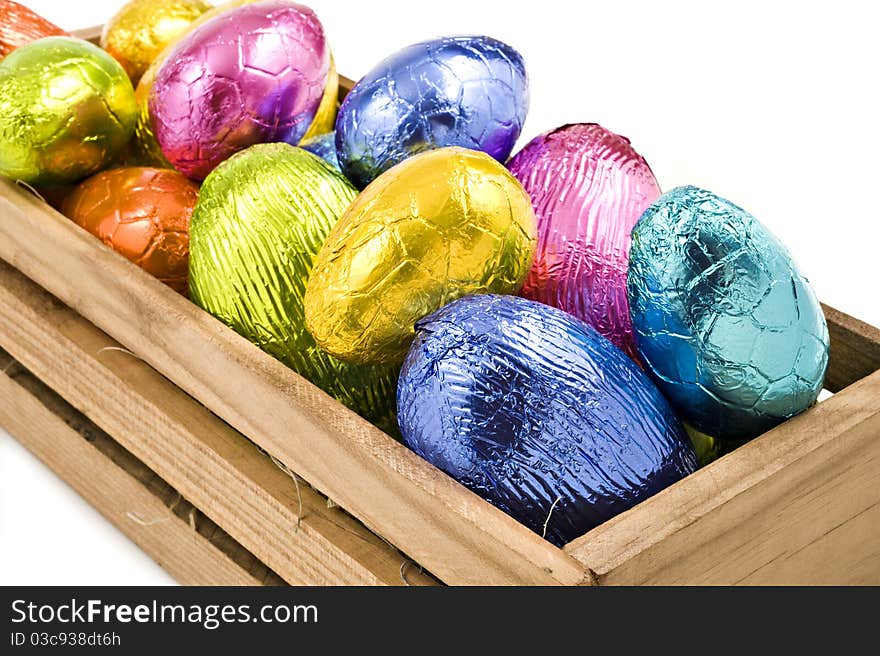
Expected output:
{"points": [[728, 327]]}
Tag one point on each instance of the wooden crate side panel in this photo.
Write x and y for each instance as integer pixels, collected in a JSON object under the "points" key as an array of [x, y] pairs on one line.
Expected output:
{"points": [[446, 528], [185, 543], [767, 512], [855, 349], [288, 527]]}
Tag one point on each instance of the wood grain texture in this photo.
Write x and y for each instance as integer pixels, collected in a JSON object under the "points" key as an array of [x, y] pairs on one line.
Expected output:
{"points": [[777, 510], [190, 547], [855, 349], [446, 528], [202, 457]]}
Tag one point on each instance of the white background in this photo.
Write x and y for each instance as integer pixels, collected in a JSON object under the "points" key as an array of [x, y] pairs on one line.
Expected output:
{"points": [[773, 105]]}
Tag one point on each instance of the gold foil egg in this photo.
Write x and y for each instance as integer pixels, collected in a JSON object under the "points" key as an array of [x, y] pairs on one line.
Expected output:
{"points": [[325, 117], [66, 109], [145, 149], [443, 224], [261, 218], [143, 28]]}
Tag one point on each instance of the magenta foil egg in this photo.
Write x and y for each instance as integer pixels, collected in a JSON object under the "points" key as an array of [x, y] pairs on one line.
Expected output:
{"points": [[251, 75], [589, 187]]}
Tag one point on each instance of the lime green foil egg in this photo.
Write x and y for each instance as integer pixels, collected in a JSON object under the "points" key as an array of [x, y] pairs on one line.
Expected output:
{"points": [[66, 109], [261, 219]]}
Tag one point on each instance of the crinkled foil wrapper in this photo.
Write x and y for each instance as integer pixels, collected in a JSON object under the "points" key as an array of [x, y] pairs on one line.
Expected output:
{"points": [[142, 213], [261, 219], [254, 74], [19, 25], [589, 187], [143, 28], [66, 110], [538, 414], [728, 326], [145, 149], [443, 224], [468, 91], [325, 118], [324, 146]]}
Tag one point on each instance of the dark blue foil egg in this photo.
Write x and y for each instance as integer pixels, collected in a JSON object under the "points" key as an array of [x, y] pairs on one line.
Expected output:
{"points": [[537, 413], [727, 325], [468, 91], [324, 146]]}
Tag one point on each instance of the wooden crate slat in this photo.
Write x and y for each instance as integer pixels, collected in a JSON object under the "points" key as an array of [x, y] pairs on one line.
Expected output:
{"points": [[855, 349], [446, 528], [185, 543], [210, 463], [768, 512]]}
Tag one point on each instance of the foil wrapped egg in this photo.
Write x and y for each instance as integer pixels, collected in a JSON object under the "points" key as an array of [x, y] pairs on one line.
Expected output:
{"points": [[325, 118], [440, 225], [468, 91], [145, 150], [19, 25], [143, 28], [253, 74], [260, 221], [589, 187], [143, 214], [66, 110], [537, 413], [324, 146], [729, 328]]}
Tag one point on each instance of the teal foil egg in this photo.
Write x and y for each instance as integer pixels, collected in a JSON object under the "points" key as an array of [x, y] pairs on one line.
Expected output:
{"points": [[729, 328]]}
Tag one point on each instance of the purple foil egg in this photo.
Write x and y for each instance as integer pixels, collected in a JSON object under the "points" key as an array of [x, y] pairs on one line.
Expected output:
{"points": [[589, 187], [252, 75]]}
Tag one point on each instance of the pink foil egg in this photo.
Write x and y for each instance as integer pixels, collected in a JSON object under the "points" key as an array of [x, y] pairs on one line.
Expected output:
{"points": [[251, 75], [588, 187]]}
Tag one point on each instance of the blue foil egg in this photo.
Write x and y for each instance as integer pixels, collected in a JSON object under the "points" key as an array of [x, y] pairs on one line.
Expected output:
{"points": [[728, 327], [324, 146], [468, 91], [537, 413]]}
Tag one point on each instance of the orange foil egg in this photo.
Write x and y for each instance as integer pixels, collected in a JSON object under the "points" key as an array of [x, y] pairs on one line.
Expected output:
{"points": [[142, 213], [19, 25]]}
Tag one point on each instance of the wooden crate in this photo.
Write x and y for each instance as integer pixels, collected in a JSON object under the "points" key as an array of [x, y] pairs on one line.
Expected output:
{"points": [[199, 407]]}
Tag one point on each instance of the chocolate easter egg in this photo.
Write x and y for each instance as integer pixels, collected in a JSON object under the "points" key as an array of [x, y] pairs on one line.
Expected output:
{"points": [[324, 146], [589, 187], [139, 31], [537, 413], [468, 91], [145, 149], [142, 213], [440, 225], [253, 74], [730, 329], [66, 110], [325, 117], [260, 221], [19, 25]]}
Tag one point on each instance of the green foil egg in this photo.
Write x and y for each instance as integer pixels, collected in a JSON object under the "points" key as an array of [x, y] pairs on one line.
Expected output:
{"points": [[66, 109], [261, 218]]}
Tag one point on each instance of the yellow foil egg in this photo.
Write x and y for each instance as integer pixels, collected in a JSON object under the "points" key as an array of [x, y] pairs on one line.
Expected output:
{"points": [[145, 150], [325, 118], [143, 28], [444, 224], [66, 110]]}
